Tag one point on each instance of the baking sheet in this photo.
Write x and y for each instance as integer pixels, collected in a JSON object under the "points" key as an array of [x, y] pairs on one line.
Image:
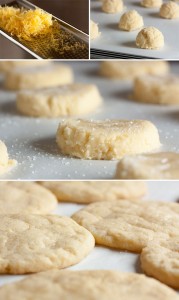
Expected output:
{"points": [[31, 141], [104, 258], [113, 39]]}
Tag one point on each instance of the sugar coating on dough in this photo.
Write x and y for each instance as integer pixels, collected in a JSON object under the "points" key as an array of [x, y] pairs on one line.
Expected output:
{"points": [[150, 38], [6, 164], [161, 165], [38, 77], [94, 30], [131, 20], [129, 225], [66, 100], [112, 6], [151, 3], [89, 285], [32, 243], [160, 259], [129, 70], [25, 197], [157, 89], [169, 10], [111, 139], [10, 64], [93, 191]]}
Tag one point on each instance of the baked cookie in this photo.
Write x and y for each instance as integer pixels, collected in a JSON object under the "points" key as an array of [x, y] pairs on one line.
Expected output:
{"points": [[89, 285], [25, 197], [129, 70], [161, 165], [157, 89], [111, 139], [68, 100], [129, 225], [33, 243], [11, 64], [93, 191], [112, 6], [169, 10], [38, 77], [94, 30], [150, 38], [131, 20], [151, 3], [6, 164]]}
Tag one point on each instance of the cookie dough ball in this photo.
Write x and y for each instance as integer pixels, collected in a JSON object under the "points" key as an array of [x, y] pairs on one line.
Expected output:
{"points": [[129, 70], [150, 38], [108, 140], [131, 20], [112, 6], [169, 10], [6, 164], [11, 64], [157, 89], [66, 100], [151, 3], [94, 30], [162, 165]]}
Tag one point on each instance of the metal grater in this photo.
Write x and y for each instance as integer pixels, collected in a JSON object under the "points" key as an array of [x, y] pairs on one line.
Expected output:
{"points": [[73, 43]]}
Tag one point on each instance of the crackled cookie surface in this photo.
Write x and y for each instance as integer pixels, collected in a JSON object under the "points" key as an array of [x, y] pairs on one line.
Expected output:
{"points": [[6, 164], [150, 38]]}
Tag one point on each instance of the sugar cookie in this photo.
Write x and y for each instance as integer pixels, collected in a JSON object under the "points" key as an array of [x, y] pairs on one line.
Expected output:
{"points": [[94, 30], [88, 285], [25, 197], [6, 164], [129, 70], [151, 3], [34, 243], [157, 89], [68, 100], [11, 64], [38, 77], [129, 225], [112, 6], [169, 10], [150, 38], [131, 20], [93, 191], [111, 139], [162, 165]]}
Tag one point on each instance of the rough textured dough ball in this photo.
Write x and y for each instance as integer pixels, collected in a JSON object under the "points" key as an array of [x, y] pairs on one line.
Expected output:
{"points": [[6, 164], [131, 20], [111, 139], [150, 38], [112, 6], [94, 30], [11, 64], [151, 3], [157, 89], [169, 10]]}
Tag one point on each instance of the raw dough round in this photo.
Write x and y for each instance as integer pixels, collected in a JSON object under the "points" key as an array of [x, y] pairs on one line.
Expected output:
{"points": [[129, 70], [34, 243], [38, 77], [25, 197], [157, 89], [87, 285], [150, 38], [131, 20], [129, 225], [162, 165], [93, 191], [6, 164], [94, 30], [8, 65], [112, 6], [65, 100], [111, 139], [169, 10], [151, 3]]}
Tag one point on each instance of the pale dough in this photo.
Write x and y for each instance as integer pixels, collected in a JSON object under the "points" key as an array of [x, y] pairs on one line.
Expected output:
{"points": [[93, 191], [38, 77], [162, 165], [169, 10], [150, 38], [131, 20], [87, 285], [25, 197], [67, 100], [94, 30], [157, 89], [33, 243], [129, 70], [112, 6], [151, 3], [111, 139], [6, 164], [129, 225], [11, 64]]}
